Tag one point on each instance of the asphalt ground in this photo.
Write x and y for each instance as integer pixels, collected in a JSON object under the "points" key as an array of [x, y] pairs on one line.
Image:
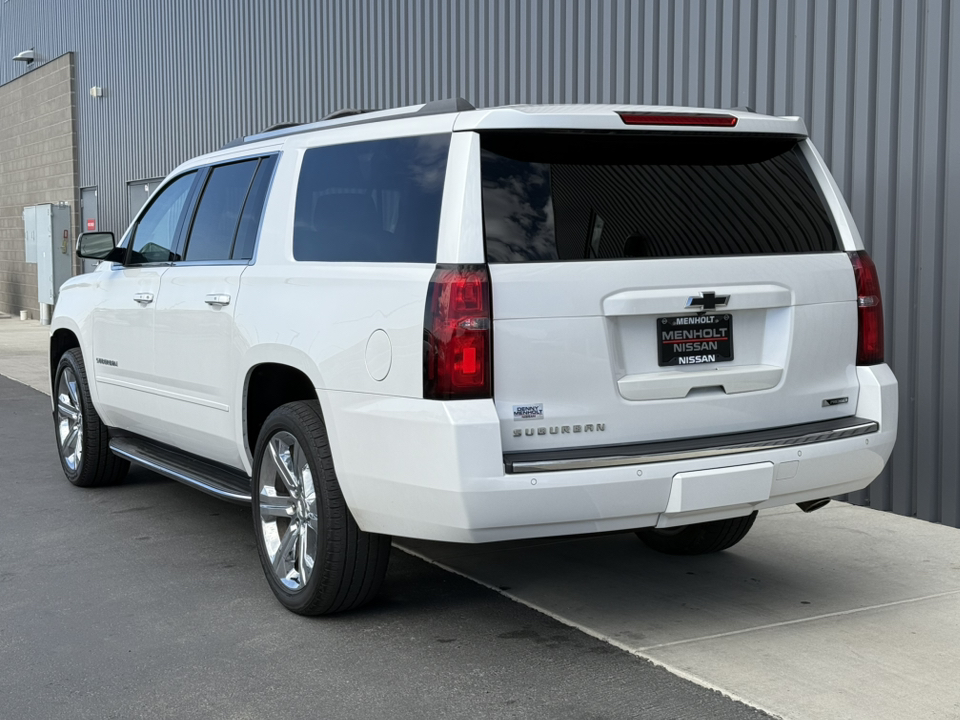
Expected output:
{"points": [[147, 600]]}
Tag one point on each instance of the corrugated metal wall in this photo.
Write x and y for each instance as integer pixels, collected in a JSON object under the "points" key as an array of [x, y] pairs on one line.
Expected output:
{"points": [[878, 84]]}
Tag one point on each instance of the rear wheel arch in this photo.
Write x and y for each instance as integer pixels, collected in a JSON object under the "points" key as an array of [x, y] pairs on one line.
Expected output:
{"points": [[267, 386]]}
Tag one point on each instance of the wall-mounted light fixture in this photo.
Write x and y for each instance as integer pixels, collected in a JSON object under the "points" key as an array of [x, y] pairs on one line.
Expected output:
{"points": [[26, 56], [96, 91]]}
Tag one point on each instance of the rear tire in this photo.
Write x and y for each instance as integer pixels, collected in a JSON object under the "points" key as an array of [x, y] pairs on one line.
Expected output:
{"points": [[316, 559], [82, 438], [698, 539]]}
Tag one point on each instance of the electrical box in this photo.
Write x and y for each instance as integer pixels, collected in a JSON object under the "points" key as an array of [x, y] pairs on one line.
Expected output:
{"points": [[49, 228], [30, 234]]}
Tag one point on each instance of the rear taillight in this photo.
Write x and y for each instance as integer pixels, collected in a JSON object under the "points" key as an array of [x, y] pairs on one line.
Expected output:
{"points": [[457, 360], [869, 309]]}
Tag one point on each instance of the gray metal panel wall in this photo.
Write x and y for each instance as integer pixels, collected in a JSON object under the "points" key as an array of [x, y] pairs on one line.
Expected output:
{"points": [[878, 84]]}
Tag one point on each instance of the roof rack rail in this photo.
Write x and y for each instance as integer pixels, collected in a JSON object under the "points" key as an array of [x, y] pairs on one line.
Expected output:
{"points": [[276, 126], [435, 107], [343, 112], [282, 126]]}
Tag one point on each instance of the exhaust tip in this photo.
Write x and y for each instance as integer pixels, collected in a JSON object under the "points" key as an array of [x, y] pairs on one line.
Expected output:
{"points": [[810, 505]]}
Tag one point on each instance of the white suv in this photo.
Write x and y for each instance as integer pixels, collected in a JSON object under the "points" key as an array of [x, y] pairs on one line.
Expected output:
{"points": [[477, 325]]}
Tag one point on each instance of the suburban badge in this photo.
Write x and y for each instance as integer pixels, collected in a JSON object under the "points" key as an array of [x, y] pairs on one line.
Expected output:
{"points": [[560, 429]]}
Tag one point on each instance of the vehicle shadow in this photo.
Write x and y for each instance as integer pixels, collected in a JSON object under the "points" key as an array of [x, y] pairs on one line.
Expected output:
{"points": [[791, 567]]}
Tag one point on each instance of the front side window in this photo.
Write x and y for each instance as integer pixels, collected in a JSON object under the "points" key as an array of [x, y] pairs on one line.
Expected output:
{"points": [[218, 212], [375, 201], [551, 197], [156, 232]]}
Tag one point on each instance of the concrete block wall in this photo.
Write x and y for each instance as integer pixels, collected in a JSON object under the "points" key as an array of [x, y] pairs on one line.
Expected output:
{"points": [[38, 164]]}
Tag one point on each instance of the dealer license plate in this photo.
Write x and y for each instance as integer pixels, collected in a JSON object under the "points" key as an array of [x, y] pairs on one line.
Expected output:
{"points": [[695, 339]]}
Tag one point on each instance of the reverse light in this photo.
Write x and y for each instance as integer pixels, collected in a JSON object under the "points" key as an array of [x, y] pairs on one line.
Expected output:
{"points": [[457, 360], [869, 309], [686, 119]]}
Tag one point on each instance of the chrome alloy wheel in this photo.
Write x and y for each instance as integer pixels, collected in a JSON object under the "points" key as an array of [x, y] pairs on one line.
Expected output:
{"points": [[69, 420], [288, 511]]}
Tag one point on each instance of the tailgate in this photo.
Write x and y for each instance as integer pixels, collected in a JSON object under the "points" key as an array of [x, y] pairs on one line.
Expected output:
{"points": [[656, 288]]}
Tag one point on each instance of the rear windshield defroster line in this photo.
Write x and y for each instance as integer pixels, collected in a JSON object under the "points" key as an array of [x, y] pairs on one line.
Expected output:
{"points": [[580, 196]]}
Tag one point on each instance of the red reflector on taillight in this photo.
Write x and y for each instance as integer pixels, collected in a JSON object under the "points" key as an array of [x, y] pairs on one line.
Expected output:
{"points": [[687, 119], [869, 309], [456, 326]]}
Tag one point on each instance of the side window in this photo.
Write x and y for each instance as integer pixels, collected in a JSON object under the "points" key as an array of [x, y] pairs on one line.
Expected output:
{"points": [[253, 210], [156, 232], [376, 201], [218, 212]]}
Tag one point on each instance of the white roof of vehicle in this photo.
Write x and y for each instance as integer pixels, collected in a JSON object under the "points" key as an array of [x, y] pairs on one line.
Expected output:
{"points": [[579, 116], [514, 117]]}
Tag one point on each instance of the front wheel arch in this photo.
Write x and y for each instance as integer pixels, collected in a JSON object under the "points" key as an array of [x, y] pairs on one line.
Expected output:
{"points": [[61, 340]]}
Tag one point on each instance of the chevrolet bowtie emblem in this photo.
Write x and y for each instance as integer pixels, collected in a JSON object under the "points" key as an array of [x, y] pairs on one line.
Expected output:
{"points": [[707, 301]]}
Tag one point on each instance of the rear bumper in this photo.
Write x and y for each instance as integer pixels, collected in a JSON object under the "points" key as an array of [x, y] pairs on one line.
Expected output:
{"points": [[682, 450], [435, 470]]}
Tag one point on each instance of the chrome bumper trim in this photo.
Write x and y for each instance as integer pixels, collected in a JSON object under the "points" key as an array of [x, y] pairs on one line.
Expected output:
{"points": [[806, 438]]}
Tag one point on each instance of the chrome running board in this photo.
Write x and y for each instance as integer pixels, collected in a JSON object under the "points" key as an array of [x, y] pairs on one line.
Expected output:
{"points": [[217, 480], [690, 449]]}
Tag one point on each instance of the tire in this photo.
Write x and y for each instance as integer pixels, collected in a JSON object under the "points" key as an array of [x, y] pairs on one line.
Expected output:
{"points": [[698, 539], [82, 439], [316, 559]]}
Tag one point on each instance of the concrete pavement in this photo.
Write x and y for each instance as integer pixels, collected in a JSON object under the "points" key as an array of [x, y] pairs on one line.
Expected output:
{"points": [[845, 613], [24, 345]]}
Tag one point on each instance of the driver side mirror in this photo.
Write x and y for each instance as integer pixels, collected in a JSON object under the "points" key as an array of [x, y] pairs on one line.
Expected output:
{"points": [[99, 246]]}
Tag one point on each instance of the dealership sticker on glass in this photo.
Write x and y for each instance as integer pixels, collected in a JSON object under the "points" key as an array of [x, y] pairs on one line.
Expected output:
{"points": [[695, 339]]}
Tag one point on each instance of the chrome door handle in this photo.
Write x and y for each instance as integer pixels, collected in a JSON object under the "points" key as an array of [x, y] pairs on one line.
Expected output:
{"points": [[143, 298], [217, 299]]}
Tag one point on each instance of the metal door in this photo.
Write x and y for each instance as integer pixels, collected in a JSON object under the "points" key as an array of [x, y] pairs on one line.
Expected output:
{"points": [[89, 221], [197, 359], [138, 192], [123, 345]]}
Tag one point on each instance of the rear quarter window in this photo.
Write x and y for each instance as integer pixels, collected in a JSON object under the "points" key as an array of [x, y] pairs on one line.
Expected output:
{"points": [[581, 196], [374, 201], [218, 212]]}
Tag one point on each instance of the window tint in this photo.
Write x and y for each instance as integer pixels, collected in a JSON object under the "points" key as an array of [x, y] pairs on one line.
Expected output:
{"points": [[376, 201], [156, 231], [218, 213], [253, 210], [562, 196]]}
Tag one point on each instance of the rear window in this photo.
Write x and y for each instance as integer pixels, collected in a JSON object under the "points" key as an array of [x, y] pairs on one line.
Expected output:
{"points": [[565, 196], [375, 201]]}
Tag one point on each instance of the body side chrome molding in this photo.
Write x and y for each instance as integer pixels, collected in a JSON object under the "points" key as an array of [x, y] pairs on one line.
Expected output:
{"points": [[162, 393], [660, 452]]}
